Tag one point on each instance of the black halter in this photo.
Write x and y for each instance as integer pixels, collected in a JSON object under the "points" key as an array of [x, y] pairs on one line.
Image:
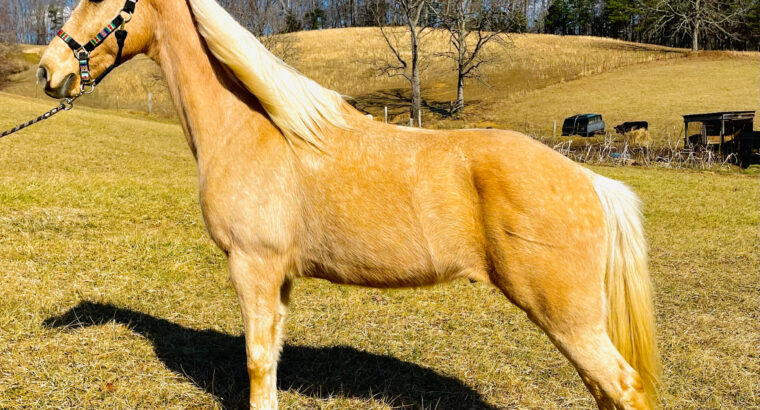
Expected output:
{"points": [[82, 52]]}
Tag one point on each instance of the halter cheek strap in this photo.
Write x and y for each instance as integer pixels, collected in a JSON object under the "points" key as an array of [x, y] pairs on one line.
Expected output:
{"points": [[82, 52]]}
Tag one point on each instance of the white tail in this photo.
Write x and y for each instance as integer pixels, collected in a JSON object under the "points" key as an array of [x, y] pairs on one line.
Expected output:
{"points": [[296, 104], [630, 321]]}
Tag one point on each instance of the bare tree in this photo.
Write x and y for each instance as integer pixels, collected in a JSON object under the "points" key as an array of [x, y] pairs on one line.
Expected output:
{"points": [[694, 18], [258, 16], [264, 18], [283, 46], [8, 43], [413, 18], [471, 28], [7, 25]]}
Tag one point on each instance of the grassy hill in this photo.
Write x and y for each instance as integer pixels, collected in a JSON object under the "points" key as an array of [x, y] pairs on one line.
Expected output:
{"points": [[658, 92], [532, 81], [114, 297]]}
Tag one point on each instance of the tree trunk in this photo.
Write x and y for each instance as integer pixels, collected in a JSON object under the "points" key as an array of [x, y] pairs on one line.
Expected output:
{"points": [[416, 100], [415, 80], [351, 13], [461, 54], [695, 32], [41, 25], [459, 104]]}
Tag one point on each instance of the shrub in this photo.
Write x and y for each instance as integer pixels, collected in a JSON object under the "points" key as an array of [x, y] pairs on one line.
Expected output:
{"points": [[8, 63]]}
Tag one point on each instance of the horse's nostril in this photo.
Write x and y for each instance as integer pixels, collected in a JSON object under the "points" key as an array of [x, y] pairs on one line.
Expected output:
{"points": [[68, 82], [61, 89], [42, 76]]}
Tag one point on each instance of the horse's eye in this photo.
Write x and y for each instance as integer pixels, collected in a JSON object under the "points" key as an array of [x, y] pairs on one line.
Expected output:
{"points": [[95, 1]]}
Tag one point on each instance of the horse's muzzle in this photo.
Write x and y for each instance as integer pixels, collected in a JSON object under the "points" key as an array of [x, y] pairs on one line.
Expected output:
{"points": [[62, 90]]}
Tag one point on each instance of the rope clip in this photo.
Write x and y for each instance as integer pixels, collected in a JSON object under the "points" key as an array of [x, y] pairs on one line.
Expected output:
{"points": [[126, 17], [87, 88]]}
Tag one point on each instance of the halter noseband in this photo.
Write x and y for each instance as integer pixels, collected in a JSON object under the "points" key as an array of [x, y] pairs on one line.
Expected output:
{"points": [[82, 52]]}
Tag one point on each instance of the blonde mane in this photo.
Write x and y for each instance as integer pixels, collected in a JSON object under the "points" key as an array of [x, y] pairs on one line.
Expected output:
{"points": [[296, 104]]}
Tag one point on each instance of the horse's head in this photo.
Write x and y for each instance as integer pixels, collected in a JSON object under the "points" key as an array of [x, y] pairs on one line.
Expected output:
{"points": [[91, 26]]}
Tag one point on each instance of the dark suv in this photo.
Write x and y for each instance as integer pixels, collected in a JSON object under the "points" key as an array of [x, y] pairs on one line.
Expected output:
{"points": [[583, 124]]}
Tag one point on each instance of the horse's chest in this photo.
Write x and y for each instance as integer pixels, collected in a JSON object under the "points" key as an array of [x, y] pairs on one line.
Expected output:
{"points": [[245, 213]]}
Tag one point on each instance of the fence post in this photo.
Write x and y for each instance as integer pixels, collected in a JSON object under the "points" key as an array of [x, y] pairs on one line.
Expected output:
{"points": [[554, 133], [411, 121], [419, 118], [386, 114], [150, 103]]}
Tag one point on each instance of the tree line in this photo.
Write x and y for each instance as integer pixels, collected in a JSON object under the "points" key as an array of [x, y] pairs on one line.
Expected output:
{"points": [[32, 21], [696, 24]]}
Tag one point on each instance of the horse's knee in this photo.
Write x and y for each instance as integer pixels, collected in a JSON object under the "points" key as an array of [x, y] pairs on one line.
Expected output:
{"points": [[260, 361], [262, 367]]}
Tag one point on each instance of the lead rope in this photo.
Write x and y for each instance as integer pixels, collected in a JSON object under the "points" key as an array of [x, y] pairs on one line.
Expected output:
{"points": [[66, 105]]}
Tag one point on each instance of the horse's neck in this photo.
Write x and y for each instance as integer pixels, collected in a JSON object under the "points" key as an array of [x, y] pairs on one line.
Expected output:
{"points": [[212, 106]]}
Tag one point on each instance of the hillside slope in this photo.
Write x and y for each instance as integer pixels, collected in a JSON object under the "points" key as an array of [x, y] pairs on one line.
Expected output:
{"points": [[659, 92], [531, 81]]}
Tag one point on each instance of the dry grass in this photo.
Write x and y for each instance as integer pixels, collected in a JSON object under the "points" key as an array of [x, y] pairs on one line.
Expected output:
{"points": [[9, 63], [657, 92], [522, 64], [113, 297], [532, 81]]}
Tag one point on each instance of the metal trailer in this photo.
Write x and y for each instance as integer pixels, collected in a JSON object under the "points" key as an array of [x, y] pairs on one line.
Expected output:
{"points": [[728, 133]]}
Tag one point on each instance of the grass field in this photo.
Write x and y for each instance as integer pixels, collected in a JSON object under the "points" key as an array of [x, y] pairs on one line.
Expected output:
{"points": [[532, 81], [112, 295], [658, 92]]}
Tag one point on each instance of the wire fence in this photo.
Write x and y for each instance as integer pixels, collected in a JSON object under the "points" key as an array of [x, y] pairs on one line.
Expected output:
{"points": [[619, 150]]}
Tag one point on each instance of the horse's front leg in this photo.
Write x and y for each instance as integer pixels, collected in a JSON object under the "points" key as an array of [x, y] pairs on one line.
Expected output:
{"points": [[262, 290]]}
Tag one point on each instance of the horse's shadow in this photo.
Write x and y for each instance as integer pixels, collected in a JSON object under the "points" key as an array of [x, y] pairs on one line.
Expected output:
{"points": [[215, 362]]}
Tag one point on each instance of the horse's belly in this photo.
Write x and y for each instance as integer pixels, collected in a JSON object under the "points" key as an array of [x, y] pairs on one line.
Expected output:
{"points": [[397, 256], [384, 258], [396, 225], [373, 276]]}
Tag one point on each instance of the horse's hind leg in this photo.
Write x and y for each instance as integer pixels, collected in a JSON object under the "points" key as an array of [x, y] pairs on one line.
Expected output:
{"points": [[612, 381], [263, 292], [568, 303], [577, 328]]}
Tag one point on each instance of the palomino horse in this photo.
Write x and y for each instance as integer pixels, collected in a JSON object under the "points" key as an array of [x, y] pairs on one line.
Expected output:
{"points": [[296, 183]]}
